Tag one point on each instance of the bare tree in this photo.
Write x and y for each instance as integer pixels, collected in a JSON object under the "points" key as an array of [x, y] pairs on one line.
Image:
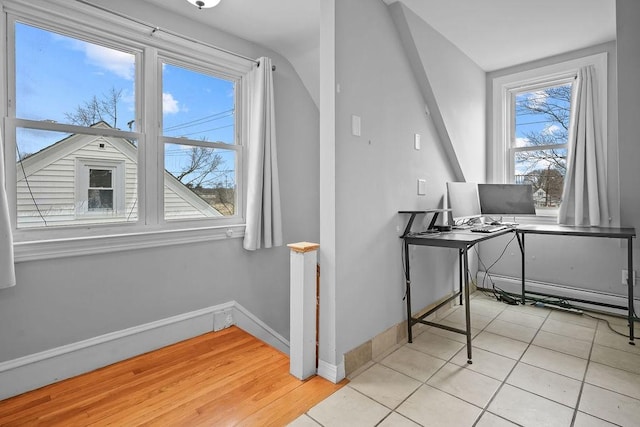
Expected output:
{"points": [[97, 109], [202, 168]]}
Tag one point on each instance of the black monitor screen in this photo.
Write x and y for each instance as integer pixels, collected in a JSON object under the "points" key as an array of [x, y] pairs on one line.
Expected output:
{"points": [[506, 199]]}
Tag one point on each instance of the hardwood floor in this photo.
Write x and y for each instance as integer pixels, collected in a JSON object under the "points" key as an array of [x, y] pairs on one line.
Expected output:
{"points": [[224, 378]]}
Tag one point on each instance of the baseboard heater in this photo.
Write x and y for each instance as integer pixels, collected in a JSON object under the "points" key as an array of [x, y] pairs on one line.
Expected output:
{"points": [[583, 298]]}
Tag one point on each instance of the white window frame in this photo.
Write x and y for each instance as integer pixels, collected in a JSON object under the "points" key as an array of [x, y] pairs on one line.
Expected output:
{"points": [[83, 167], [501, 164], [238, 149], [151, 230]]}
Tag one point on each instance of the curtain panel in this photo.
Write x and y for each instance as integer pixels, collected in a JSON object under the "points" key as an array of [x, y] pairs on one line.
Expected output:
{"points": [[263, 215], [7, 267], [584, 199]]}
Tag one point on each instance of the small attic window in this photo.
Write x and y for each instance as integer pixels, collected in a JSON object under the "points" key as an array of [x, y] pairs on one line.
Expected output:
{"points": [[101, 145]]}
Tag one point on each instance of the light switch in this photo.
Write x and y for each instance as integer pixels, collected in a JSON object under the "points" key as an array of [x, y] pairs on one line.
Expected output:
{"points": [[355, 125], [422, 187], [416, 141]]}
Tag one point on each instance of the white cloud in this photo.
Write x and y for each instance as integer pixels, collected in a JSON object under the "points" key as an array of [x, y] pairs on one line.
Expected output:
{"points": [[169, 104], [551, 129], [536, 98], [115, 61]]}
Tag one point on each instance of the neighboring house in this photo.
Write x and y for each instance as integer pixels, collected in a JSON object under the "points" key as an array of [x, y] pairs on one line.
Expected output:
{"points": [[540, 197], [86, 179]]}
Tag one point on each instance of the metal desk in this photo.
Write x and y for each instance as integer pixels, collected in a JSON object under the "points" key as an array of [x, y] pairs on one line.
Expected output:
{"points": [[607, 232], [463, 240]]}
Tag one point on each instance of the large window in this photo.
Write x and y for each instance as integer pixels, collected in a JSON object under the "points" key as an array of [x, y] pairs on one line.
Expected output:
{"points": [[531, 120], [116, 133]]}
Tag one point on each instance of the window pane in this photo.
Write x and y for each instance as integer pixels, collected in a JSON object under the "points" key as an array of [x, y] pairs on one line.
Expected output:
{"points": [[53, 180], [99, 178], [100, 200], [199, 182], [542, 116], [541, 119], [197, 106], [67, 80], [545, 170]]}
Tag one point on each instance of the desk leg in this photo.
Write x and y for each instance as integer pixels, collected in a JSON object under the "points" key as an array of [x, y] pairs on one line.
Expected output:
{"points": [[520, 237], [460, 261], [408, 290], [630, 289], [467, 308]]}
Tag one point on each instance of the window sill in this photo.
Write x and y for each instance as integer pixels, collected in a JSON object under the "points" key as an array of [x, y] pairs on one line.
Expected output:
{"points": [[538, 219], [100, 244]]}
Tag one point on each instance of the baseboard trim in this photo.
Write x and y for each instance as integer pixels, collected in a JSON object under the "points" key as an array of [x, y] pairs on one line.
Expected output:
{"points": [[246, 321], [49, 366], [328, 371]]}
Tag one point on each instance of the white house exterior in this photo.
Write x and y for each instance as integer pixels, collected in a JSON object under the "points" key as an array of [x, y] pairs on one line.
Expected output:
{"points": [[540, 197], [85, 179]]}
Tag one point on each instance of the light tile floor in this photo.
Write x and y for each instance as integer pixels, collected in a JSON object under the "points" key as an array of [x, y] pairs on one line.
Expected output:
{"points": [[531, 366]]}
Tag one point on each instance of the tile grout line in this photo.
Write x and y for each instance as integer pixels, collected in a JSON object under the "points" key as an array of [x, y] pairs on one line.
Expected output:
{"points": [[432, 375], [484, 297], [584, 376], [504, 381], [449, 361]]}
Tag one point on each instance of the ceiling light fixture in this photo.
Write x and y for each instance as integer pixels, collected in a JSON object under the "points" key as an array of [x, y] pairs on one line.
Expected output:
{"points": [[204, 3]]}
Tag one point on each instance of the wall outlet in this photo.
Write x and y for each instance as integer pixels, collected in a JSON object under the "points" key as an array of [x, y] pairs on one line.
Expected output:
{"points": [[625, 275]]}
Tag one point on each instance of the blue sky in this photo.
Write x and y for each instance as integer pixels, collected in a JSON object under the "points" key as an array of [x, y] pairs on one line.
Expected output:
{"points": [[55, 74]]}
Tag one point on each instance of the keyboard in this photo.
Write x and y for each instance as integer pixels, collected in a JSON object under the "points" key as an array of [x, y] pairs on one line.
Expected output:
{"points": [[488, 228]]}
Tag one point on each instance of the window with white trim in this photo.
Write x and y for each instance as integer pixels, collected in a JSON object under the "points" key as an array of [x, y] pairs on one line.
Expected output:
{"points": [[114, 133], [532, 112]]}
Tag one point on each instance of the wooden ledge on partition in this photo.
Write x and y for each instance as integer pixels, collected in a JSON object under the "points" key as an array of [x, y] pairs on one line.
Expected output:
{"points": [[302, 247]]}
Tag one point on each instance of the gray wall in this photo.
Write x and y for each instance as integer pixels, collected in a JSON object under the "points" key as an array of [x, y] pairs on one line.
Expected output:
{"points": [[586, 263], [65, 300], [458, 87], [628, 17], [591, 264], [376, 173]]}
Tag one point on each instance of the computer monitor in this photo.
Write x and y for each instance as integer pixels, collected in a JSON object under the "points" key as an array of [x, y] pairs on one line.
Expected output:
{"points": [[506, 199], [463, 201]]}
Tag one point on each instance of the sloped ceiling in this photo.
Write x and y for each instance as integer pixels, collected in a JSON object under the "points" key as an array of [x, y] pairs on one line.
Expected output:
{"points": [[495, 34]]}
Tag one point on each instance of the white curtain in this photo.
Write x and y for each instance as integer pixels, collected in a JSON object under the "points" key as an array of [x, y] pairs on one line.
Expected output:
{"points": [[584, 199], [7, 269], [264, 219]]}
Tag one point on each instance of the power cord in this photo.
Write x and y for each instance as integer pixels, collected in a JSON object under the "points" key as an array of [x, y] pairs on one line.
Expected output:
{"points": [[499, 294], [608, 324], [506, 297]]}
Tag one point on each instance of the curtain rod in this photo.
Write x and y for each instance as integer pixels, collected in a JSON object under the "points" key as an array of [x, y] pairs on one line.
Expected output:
{"points": [[155, 29]]}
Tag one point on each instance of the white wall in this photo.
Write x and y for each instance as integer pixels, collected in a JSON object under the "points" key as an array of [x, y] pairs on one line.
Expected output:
{"points": [[376, 175], [62, 301]]}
